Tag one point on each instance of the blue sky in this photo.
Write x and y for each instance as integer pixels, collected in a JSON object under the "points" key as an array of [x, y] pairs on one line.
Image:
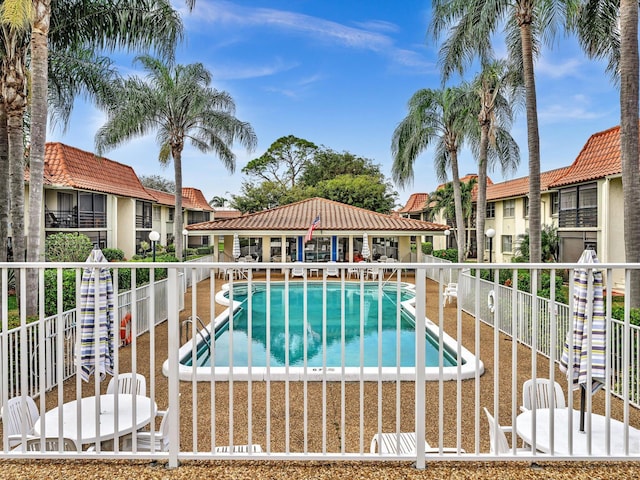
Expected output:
{"points": [[340, 74]]}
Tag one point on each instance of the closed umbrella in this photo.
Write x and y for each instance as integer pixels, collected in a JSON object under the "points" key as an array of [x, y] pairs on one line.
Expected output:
{"points": [[581, 355], [236, 246], [366, 253], [96, 323]]}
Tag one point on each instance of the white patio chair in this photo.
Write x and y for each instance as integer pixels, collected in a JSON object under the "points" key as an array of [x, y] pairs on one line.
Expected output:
{"points": [[354, 271], [255, 448], [543, 393], [450, 292], [12, 418], [144, 439], [297, 270], [51, 444], [373, 273], [498, 438], [126, 383], [403, 443], [331, 270]]}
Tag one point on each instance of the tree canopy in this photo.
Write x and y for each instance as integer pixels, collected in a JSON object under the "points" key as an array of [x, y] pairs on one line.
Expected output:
{"points": [[294, 169], [158, 182]]}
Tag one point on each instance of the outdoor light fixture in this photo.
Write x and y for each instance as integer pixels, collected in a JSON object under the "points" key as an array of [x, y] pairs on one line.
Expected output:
{"points": [[185, 232], [446, 236], [490, 234], [154, 237]]}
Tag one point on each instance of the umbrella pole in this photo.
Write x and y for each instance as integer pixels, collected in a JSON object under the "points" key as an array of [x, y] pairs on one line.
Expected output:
{"points": [[583, 399]]}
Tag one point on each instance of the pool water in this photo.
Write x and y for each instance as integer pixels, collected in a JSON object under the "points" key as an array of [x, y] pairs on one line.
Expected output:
{"points": [[236, 338]]}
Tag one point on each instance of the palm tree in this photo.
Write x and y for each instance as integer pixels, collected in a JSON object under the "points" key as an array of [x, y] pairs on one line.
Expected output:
{"points": [[470, 26], [435, 116], [443, 201], [78, 29], [493, 89], [177, 102], [609, 30]]}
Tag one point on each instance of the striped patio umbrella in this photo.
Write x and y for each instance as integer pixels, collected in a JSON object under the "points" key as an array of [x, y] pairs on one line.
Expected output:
{"points": [[236, 246], [588, 306], [366, 253], [96, 335]]}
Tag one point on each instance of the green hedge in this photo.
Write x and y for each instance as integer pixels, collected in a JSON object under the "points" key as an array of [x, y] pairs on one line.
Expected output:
{"points": [[69, 283], [450, 254]]}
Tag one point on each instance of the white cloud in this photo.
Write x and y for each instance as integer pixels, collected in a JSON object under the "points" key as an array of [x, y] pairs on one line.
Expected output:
{"points": [[567, 68], [236, 72], [366, 37]]}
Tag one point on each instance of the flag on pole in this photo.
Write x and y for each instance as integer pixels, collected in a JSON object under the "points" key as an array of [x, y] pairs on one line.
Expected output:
{"points": [[313, 226]]}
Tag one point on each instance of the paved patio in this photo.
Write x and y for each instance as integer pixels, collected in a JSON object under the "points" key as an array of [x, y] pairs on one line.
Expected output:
{"points": [[129, 469]]}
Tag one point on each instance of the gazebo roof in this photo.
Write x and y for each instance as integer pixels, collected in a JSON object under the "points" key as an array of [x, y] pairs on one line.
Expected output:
{"points": [[334, 217]]}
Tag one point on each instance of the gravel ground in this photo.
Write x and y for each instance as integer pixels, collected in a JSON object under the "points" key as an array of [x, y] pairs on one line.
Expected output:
{"points": [[146, 363]]}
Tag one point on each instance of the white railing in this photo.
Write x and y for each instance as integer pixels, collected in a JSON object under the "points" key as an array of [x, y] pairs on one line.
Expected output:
{"points": [[308, 407], [506, 298], [67, 321]]}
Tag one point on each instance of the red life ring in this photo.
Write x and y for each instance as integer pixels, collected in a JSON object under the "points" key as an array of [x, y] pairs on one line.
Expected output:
{"points": [[124, 335]]}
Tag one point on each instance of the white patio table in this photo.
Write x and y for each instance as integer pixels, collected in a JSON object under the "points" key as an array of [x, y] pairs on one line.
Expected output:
{"points": [[580, 439], [107, 429]]}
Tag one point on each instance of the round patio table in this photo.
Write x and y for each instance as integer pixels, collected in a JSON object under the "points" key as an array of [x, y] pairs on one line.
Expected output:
{"points": [[561, 433], [107, 428]]}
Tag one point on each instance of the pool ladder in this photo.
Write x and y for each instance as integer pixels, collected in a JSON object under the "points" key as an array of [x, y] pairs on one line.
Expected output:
{"points": [[185, 328]]}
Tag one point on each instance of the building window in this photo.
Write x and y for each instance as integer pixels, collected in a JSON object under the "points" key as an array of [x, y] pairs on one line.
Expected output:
{"points": [[579, 206], [143, 215], [171, 212], [92, 210], [491, 210], [526, 207], [507, 244], [156, 213], [509, 208], [555, 203]]}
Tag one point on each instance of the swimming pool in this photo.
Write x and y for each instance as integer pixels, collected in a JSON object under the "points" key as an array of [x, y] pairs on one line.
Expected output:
{"points": [[316, 341]]}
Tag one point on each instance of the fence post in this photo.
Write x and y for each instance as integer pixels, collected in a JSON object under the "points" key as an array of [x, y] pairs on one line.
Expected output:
{"points": [[174, 383], [420, 374]]}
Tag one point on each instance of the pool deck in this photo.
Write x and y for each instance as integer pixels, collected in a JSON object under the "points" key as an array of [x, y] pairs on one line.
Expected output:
{"points": [[333, 470]]}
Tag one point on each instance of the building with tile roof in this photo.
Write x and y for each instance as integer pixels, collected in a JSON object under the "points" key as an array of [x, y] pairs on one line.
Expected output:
{"points": [[106, 201], [584, 201], [281, 232]]}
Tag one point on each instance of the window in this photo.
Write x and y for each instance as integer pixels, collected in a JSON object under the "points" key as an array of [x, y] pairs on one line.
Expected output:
{"points": [[143, 214], [507, 244], [92, 210], [579, 206], [491, 210], [171, 212], [156, 213], [526, 206], [509, 208], [555, 205]]}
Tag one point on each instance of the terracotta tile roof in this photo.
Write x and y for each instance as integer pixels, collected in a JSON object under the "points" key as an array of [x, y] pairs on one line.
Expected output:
{"points": [[71, 167], [223, 212], [519, 187], [165, 198], [417, 203], [334, 216], [196, 197], [599, 158], [466, 179]]}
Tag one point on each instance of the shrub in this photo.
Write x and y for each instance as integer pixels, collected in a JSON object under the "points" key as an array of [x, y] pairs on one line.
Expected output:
{"points": [[203, 250], [427, 248], [67, 247], [617, 312], [450, 254], [171, 248], [51, 290], [113, 254]]}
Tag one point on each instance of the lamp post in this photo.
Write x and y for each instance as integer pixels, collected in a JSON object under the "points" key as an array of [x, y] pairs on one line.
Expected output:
{"points": [[446, 236], [154, 237], [185, 232], [490, 234]]}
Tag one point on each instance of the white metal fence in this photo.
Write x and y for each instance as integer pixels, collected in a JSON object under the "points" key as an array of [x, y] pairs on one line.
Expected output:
{"points": [[307, 411]]}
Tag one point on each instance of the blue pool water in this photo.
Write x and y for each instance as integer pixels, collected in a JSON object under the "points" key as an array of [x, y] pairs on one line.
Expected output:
{"points": [[238, 336]]}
